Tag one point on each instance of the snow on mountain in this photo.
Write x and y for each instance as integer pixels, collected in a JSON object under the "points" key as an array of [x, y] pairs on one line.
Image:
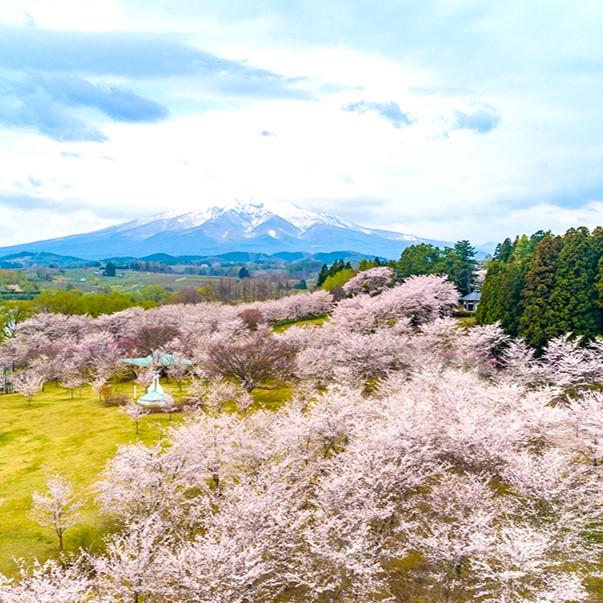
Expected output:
{"points": [[266, 227], [250, 215]]}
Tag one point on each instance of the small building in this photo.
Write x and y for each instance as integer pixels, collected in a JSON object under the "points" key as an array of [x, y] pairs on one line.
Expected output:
{"points": [[155, 396], [14, 288], [471, 301]]}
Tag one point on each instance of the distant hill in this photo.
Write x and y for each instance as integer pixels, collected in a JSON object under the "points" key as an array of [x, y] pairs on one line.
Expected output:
{"points": [[26, 259], [283, 257], [254, 228]]}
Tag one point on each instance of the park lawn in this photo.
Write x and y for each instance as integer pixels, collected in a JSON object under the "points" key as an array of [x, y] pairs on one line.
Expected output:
{"points": [[283, 325], [74, 438], [467, 321]]}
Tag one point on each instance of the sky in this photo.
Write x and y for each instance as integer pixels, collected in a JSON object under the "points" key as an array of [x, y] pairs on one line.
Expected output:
{"points": [[446, 119]]}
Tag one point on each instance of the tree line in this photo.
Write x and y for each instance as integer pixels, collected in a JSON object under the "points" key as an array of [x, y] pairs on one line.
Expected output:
{"points": [[541, 286], [458, 263]]}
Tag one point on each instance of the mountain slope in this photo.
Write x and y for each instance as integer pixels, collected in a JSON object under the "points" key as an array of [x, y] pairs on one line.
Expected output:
{"points": [[254, 227]]}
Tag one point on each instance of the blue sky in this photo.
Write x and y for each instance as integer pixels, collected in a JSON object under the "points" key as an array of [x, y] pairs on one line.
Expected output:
{"points": [[442, 118]]}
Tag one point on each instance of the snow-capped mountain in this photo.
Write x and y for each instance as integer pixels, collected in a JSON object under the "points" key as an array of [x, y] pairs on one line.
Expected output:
{"points": [[257, 227]]}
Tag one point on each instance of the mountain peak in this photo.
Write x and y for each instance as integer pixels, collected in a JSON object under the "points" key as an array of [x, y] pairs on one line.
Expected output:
{"points": [[250, 214], [254, 226]]}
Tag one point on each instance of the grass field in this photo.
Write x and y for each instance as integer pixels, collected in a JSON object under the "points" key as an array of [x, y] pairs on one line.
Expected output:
{"points": [[75, 438], [286, 324], [130, 281]]}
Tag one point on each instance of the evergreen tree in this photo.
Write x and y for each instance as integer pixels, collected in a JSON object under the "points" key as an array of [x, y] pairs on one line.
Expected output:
{"points": [[461, 266], [509, 295], [599, 283], [598, 242], [336, 266], [574, 297], [503, 250], [418, 260], [365, 264], [110, 270], [322, 275], [537, 319], [244, 273], [489, 310]]}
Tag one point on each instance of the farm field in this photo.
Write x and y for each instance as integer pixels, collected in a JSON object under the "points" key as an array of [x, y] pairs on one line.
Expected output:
{"points": [[74, 438], [132, 281]]}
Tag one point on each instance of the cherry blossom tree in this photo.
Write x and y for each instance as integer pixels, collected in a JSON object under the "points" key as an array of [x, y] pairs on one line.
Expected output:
{"points": [[71, 379], [48, 582], [252, 317], [328, 496], [417, 460], [134, 566], [372, 281], [136, 413], [56, 508], [214, 394], [295, 307], [28, 383], [98, 382], [145, 376], [178, 371]]}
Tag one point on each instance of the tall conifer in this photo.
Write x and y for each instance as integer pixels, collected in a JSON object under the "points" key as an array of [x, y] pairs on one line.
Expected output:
{"points": [[461, 266], [574, 300], [536, 318], [488, 311]]}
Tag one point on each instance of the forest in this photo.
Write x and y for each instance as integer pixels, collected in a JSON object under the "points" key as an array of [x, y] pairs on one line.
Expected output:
{"points": [[541, 286]]}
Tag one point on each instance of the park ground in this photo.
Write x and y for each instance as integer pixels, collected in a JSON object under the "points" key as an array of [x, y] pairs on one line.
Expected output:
{"points": [[74, 437]]}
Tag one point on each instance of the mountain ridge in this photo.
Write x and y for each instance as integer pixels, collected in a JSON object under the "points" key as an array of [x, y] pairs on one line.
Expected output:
{"points": [[261, 227]]}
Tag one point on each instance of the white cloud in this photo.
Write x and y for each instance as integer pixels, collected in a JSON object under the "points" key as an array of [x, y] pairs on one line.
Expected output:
{"points": [[535, 165]]}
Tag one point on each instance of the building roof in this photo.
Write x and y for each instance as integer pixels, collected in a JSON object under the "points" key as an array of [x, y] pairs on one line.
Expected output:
{"points": [[473, 296], [158, 359]]}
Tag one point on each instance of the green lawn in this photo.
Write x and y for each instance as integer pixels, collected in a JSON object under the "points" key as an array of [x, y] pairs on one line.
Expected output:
{"points": [[128, 281], [283, 325], [75, 438]]}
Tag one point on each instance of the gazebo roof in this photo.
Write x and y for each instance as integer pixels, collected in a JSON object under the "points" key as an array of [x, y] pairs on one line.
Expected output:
{"points": [[473, 296], [157, 359]]}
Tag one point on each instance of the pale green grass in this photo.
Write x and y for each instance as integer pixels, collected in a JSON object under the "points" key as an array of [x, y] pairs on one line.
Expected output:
{"points": [[56, 434], [75, 438], [281, 326]]}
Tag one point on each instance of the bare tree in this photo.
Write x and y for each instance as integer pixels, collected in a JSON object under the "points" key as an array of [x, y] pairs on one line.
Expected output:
{"points": [[251, 359], [188, 295], [252, 318], [57, 508], [151, 337]]}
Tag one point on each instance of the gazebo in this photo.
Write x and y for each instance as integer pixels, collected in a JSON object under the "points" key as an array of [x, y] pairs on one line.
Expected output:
{"points": [[155, 396]]}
